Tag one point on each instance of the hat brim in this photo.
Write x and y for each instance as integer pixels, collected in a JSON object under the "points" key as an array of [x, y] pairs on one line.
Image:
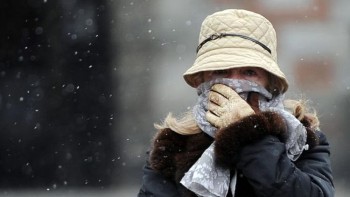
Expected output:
{"points": [[228, 58]]}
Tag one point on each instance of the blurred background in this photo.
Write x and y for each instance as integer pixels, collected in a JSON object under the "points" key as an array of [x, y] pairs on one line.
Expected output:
{"points": [[83, 81]]}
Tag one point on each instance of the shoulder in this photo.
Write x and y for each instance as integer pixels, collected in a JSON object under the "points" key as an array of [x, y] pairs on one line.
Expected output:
{"points": [[323, 143], [322, 137], [320, 151]]}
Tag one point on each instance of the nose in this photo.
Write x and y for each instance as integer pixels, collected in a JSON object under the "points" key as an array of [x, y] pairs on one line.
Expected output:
{"points": [[235, 74]]}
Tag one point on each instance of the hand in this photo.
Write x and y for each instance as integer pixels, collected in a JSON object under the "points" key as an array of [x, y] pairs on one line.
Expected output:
{"points": [[225, 106]]}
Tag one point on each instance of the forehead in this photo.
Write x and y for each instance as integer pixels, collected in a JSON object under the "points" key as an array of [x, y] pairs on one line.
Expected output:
{"points": [[257, 69], [249, 68]]}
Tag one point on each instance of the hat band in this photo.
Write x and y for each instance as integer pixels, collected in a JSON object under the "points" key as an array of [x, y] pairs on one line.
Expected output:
{"points": [[217, 36]]}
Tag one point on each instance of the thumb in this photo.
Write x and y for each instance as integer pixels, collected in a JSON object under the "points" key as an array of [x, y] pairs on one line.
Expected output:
{"points": [[253, 101]]}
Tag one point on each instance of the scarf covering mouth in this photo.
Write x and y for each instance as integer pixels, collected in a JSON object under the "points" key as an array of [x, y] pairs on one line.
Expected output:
{"points": [[208, 180]]}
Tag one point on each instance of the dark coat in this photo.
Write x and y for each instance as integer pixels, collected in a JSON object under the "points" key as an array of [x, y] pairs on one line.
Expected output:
{"points": [[254, 146]]}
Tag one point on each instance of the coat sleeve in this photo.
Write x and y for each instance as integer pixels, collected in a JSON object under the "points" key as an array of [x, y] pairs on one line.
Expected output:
{"points": [[255, 146], [272, 173]]}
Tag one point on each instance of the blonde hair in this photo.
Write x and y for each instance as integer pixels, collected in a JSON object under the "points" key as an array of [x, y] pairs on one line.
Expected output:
{"points": [[186, 124], [301, 110]]}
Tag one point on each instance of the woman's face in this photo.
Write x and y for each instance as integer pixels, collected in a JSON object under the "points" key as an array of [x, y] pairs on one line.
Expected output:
{"points": [[253, 74]]}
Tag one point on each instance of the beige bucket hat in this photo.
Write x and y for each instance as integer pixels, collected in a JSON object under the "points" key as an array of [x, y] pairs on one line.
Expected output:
{"points": [[236, 38]]}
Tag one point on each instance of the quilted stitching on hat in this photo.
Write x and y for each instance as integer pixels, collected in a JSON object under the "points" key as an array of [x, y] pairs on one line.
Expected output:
{"points": [[232, 51], [254, 26]]}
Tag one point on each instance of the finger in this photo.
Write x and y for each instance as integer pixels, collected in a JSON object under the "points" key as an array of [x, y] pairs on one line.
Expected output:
{"points": [[224, 90], [212, 119], [214, 109], [217, 98], [253, 101]]}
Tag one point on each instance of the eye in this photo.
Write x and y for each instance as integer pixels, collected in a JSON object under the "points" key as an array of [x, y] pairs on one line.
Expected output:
{"points": [[220, 73], [250, 72]]}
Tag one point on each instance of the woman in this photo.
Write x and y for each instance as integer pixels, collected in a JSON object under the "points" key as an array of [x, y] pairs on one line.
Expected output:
{"points": [[241, 138]]}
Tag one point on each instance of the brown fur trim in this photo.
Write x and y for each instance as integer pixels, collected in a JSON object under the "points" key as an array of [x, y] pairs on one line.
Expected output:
{"points": [[229, 140], [165, 145], [194, 149], [173, 154], [195, 145]]}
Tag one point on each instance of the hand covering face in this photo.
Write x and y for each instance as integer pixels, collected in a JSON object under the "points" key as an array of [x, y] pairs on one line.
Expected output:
{"points": [[225, 106]]}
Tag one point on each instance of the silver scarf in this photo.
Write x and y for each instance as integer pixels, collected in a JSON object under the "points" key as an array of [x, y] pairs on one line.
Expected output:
{"points": [[208, 180]]}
